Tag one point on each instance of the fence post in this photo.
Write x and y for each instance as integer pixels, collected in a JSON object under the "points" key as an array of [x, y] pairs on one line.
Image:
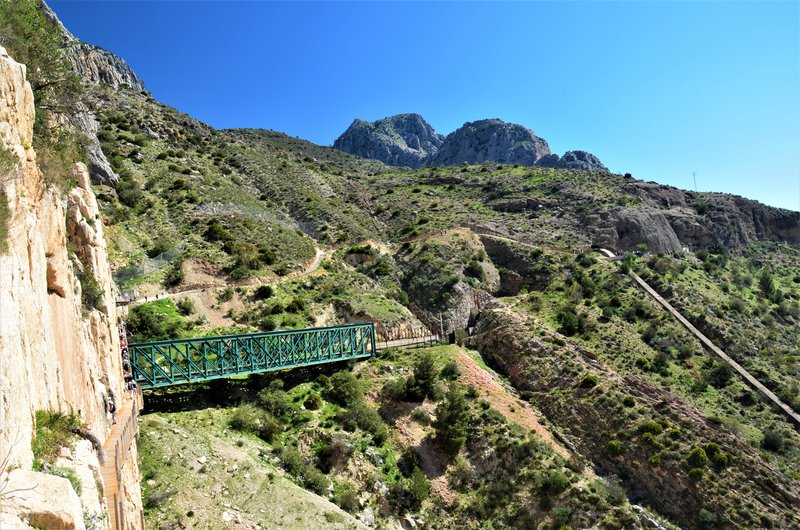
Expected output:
{"points": [[441, 329]]}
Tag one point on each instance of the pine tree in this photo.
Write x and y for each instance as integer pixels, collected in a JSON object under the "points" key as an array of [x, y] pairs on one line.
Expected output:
{"points": [[451, 421]]}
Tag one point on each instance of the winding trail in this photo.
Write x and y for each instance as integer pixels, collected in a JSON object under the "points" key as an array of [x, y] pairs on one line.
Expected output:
{"points": [[309, 269], [793, 416]]}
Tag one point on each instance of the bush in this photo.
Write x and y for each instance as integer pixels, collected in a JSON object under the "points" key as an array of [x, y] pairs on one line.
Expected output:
{"points": [[54, 430], [588, 381], [697, 458], [450, 371], [274, 400], [185, 306], [773, 441], [345, 495], [394, 389], [344, 388], [174, 274], [716, 455], [552, 482], [418, 487], [314, 480], [451, 421], [91, 291], [263, 292], [291, 460], [359, 414], [614, 447], [313, 401], [651, 427]]}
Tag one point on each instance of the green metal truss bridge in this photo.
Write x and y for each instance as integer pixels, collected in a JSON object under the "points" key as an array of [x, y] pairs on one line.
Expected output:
{"points": [[174, 362]]}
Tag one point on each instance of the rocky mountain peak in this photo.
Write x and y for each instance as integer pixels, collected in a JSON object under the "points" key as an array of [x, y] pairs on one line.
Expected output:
{"points": [[491, 140], [409, 140], [400, 140], [93, 64]]}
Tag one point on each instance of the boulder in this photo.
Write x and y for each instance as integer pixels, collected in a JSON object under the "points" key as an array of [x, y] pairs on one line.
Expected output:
{"points": [[44, 501]]}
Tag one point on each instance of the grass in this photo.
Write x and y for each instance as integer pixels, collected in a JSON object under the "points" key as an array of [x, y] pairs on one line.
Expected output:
{"points": [[54, 430]]}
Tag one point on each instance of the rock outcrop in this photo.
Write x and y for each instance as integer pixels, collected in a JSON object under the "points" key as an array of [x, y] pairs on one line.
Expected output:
{"points": [[490, 140], [93, 64], [408, 140], [56, 353], [401, 140], [581, 160]]}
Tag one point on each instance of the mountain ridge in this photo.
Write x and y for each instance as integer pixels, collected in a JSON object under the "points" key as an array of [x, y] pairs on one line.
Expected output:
{"points": [[475, 142]]}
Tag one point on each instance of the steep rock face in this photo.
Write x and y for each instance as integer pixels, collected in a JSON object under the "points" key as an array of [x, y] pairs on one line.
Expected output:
{"points": [[99, 167], [55, 354], [401, 140], [708, 219], [580, 160], [490, 140], [94, 64]]}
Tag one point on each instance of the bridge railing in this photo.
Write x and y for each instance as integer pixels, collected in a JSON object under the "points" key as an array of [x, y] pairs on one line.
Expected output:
{"points": [[171, 362]]}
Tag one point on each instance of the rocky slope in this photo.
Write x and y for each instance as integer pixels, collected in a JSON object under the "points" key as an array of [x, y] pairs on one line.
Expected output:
{"points": [[408, 140], [58, 353], [401, 140]]}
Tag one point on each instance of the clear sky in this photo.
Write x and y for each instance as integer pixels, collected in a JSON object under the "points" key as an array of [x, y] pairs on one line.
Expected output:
{"points": [[655, 89]]}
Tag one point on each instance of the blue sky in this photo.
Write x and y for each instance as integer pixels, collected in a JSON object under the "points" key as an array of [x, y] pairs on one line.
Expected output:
{"points": [[655, 89]]}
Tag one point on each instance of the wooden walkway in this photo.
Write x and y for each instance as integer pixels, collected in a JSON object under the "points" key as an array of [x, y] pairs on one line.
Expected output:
{"points": [[117, 450]]}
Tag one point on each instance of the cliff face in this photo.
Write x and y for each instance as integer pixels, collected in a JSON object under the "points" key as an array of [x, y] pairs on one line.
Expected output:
{"points": [[55, 353], [94, 64], [402, 140]]}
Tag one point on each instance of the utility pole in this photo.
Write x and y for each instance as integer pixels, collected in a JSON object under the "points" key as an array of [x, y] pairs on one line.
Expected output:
{"points": [[694, 176]]}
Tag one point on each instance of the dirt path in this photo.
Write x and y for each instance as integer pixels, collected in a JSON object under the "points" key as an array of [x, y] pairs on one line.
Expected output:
{"points": [[194, 288], [490, 387]]}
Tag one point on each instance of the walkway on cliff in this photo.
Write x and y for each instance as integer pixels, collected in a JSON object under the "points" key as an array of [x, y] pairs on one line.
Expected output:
{"points": [[117, 449], [793, 416]]}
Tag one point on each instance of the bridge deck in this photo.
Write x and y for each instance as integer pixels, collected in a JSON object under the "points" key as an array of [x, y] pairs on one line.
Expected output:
{"points": [[166, 363]]}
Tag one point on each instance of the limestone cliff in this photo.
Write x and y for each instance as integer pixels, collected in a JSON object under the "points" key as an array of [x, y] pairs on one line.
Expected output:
{"points": [[55, 353]]}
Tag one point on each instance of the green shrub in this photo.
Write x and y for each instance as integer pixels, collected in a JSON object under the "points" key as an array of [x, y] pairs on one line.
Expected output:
{"points": [[650, 426], [345, 495], [359, 414], [274, 400], [588, 381], [263, 292], [697, 458], [54, 430], [394, 389], [174, 274], [314, 480], [552, 482], [247, 418], [292, 460], [614, 447], [185, 306], [450, 371], [451, 421], [629, 401], [91, 291], [313, 401], [225, 295], [344, 388], [418, 486], [696, 473], [773, 441]]}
